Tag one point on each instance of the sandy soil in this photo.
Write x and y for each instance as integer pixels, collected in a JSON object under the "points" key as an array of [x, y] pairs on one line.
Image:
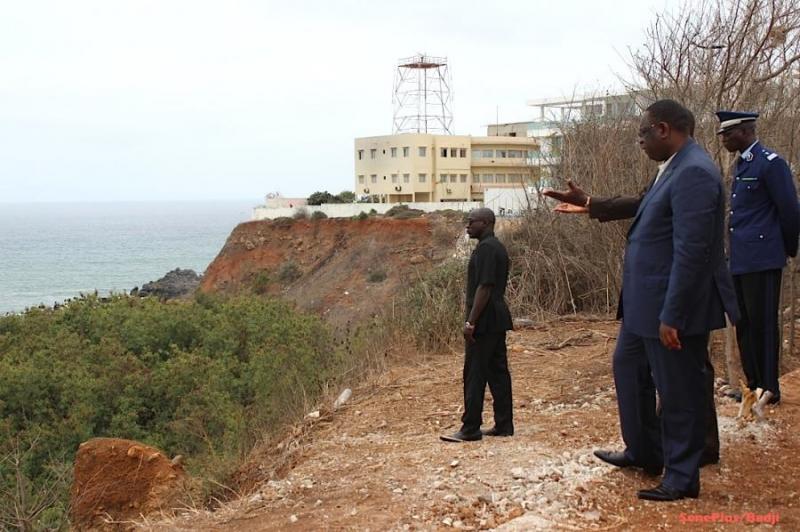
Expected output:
{"points": [[377, 462]]}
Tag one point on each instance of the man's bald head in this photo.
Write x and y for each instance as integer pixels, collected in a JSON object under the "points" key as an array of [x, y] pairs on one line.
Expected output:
{"points": [[484, 214]]}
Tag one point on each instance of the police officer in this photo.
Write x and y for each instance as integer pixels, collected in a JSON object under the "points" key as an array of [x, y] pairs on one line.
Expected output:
{"points": [[763, 229]]}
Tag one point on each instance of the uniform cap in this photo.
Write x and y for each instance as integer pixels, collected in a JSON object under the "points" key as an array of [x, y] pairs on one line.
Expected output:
{"points": [[730, 119]]}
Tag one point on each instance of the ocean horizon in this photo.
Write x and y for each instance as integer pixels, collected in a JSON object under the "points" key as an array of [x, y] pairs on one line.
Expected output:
{"points": [[50, 252]]}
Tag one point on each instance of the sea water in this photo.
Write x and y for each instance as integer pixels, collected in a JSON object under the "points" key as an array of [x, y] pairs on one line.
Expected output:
{"points": [[53, 251]]}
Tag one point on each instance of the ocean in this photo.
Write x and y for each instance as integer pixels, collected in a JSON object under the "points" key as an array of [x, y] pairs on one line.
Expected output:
{"points": [[53, 251]]}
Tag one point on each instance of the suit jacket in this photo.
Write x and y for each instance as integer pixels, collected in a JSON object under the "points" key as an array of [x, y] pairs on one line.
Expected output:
{"points": [[675, 270], [765, 218]]}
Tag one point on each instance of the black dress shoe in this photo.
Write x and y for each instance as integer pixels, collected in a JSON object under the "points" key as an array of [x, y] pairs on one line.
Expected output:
{"points": [[774, 400], [663, 493], [459, 437], [621, 460], [494, 431]]}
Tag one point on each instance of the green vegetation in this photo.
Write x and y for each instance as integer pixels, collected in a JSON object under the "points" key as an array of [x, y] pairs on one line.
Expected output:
{"points": [[289, 272], [376, 276], [318, 215], [433, 307], [205, 378], [318, 198]]}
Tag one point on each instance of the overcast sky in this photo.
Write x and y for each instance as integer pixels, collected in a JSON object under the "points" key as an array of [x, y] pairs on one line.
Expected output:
{"points": [[168, 100]]}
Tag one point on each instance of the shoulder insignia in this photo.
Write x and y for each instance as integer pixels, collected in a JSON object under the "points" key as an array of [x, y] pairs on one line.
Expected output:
{"points": [[771, 156]]}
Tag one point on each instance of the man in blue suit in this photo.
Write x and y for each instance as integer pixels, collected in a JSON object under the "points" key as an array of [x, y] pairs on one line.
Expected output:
{"points": [[676, 287], [763, 227]]}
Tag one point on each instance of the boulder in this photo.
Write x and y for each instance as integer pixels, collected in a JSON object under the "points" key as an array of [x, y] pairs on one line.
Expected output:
{"points": [[119, 481], [175, 284]]}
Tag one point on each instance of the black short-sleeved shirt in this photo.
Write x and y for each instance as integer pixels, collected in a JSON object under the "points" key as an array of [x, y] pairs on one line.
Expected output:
{"points": [[489, 265]]}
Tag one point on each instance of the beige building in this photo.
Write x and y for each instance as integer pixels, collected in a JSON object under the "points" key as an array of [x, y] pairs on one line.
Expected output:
{"points": [[416, 167]]}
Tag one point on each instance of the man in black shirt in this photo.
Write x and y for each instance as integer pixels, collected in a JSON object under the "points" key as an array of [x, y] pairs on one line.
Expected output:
{"points": [[488, 319]]}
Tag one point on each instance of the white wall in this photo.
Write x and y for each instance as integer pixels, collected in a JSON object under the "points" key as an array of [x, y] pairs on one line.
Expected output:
{"points": [[348, 210]]}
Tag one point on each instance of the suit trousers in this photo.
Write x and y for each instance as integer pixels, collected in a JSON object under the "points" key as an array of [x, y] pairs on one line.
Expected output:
{"points": [[486, 362], [677, 438], [757, 330]]}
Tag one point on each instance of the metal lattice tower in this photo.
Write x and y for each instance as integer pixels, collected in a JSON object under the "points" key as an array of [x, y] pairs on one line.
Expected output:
{"points": [[422, 97]]}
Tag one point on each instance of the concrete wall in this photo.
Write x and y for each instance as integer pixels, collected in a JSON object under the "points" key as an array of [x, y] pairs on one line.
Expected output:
{"points": [[348, 210]]}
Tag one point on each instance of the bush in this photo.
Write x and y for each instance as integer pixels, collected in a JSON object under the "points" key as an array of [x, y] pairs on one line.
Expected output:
{"points": [[204, 378], [289, 272], [300, 214], [432, 310], [376, 276], [283, 222], [318, 215], [261, 282], [362, 216]]}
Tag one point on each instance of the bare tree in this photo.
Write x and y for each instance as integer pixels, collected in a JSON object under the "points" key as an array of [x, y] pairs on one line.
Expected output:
{"points": [[730, 54]]}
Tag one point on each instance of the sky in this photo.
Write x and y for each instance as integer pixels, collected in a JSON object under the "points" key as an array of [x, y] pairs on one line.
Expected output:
{"points": [[113, 100]]}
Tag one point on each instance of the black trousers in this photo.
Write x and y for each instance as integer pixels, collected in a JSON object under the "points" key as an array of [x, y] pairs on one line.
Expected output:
{"points": [[757, 330], [486, 362]]}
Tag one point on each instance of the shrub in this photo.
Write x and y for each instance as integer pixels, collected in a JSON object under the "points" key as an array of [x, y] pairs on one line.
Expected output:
{"points": [[261, 282], [283, 222], [432, 310], [362, 216], [318, 215], [300, 214], [205, 378], [376, 276], [289, 272]]}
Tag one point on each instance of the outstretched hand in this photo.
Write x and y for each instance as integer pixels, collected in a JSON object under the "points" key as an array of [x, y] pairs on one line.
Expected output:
{"points": [[570, 209], [572, 196]]}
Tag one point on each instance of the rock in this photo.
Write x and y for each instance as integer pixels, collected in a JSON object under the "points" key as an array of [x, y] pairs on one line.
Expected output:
{"points": [[454, 463], [451, 498], [124, 480], [313, 415], [592, 515], [176, 284], [416, 259], [523, 323], [293, 518], [518, 473], [343, 398], [447, 521]]}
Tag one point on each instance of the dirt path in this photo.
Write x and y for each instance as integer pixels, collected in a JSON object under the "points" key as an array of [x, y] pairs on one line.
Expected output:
{"points": [[377, 463]]}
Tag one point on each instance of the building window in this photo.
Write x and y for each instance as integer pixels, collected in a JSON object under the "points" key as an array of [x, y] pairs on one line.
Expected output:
{"points": [[476, 154], [515, 154], [502, 154], [423, 178], [361, 180], [443, 152], [442, 178], [406, 178], [373, 178], [476, 178], [422, 151], [360, 154], [394, 178], [453, 178], [462, 152], [500, 178], [488, 154], [405, 151], [394, 152], [372, 153], [487, 178], [453, 152], [463, 178]]}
